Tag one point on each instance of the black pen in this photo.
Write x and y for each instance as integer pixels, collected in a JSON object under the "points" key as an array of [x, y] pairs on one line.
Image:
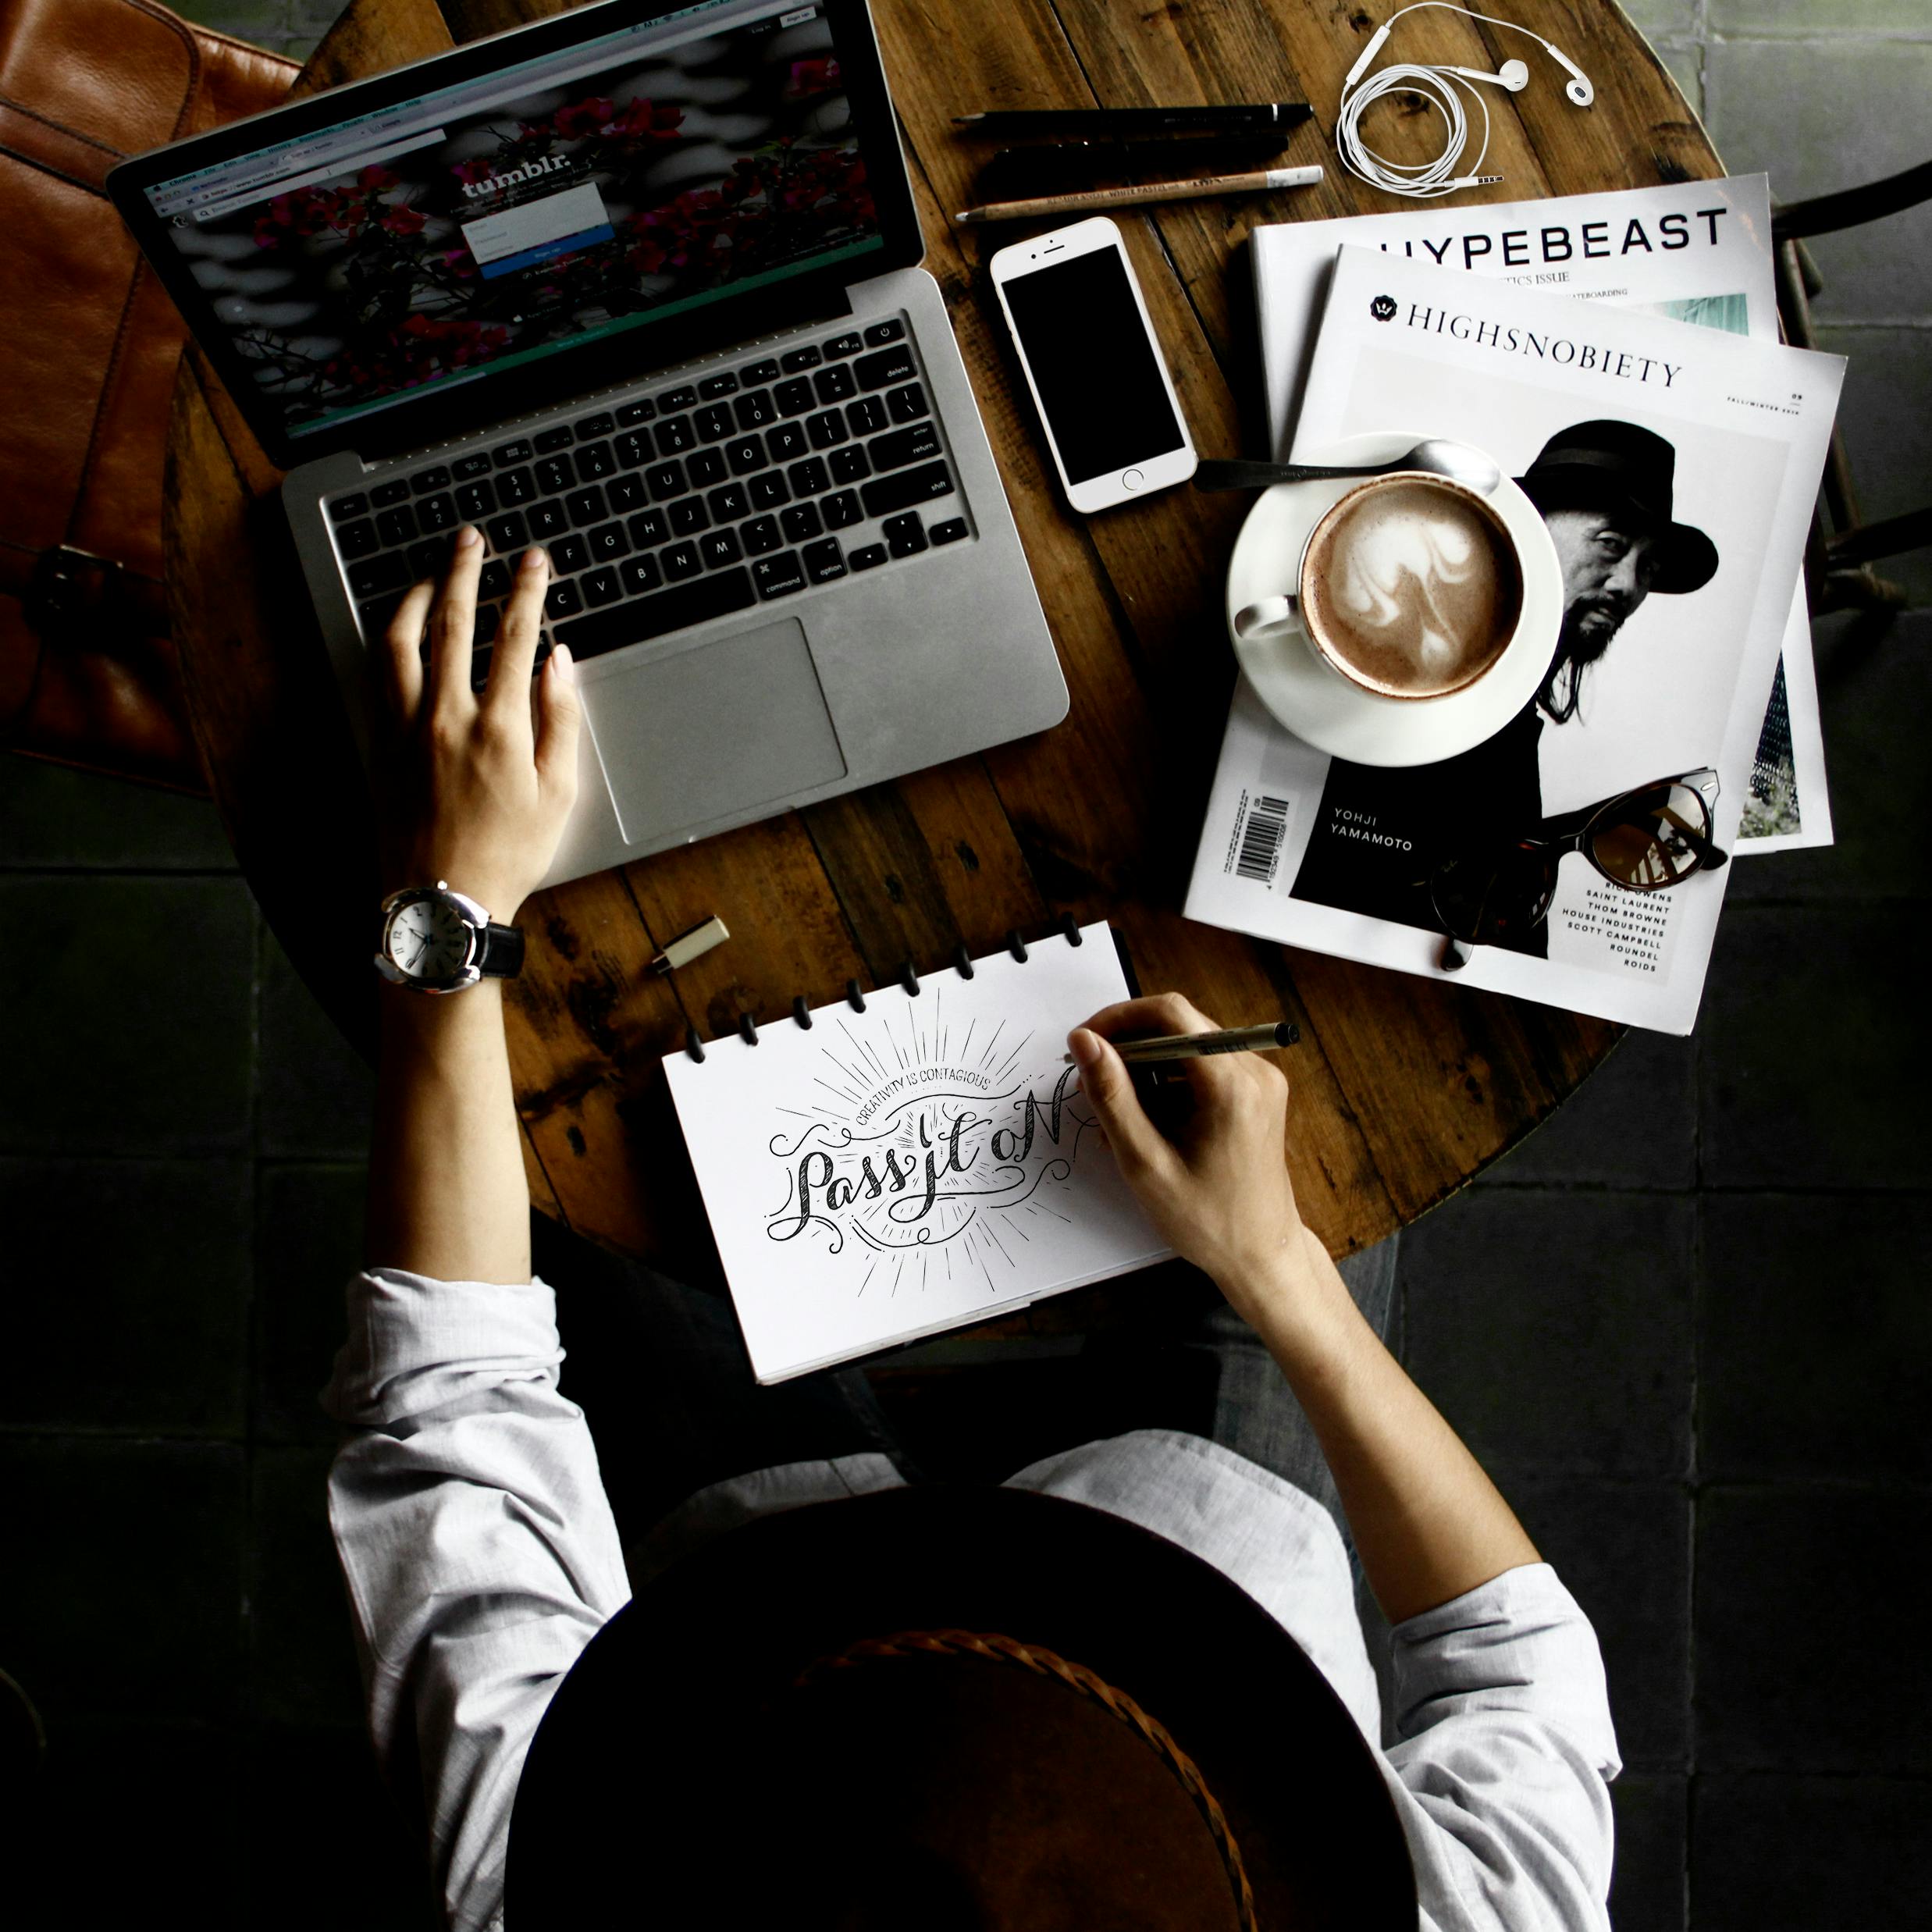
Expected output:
{"points": [[1014, 172], [1194, 1046], [1226, 119]]}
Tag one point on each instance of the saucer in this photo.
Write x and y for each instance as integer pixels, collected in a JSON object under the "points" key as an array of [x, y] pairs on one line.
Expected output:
{"points": [[1321, 707]]}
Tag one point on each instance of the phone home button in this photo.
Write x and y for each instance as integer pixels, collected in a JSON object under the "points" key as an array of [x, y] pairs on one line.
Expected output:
{"points": [[1132, 479]]}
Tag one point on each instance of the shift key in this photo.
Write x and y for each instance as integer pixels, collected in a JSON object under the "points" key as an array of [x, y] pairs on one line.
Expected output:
{"points": [[904, 487]]}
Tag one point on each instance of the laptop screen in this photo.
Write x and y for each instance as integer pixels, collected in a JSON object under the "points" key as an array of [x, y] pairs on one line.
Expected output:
{"points": [[532, 210]]}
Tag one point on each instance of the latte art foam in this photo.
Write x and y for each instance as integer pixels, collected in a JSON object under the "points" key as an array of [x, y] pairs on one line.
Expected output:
{"points": [[1410, 588]]}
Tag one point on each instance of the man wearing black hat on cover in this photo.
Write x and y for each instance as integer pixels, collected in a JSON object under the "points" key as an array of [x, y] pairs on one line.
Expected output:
{"points": [[1605, 491], [781, 1685]]}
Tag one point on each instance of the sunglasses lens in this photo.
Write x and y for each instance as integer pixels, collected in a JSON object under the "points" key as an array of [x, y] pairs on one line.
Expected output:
{"points": [[1644, 845], [1488, 899]]}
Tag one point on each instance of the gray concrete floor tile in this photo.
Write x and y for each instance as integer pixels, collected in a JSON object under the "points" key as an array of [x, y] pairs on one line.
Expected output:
{"points": [[140, 991], [1774, 1850], [1554, 1329], [308, 1238], [1647, 1888], [263, 22], [132, 1297], [302, 1665], [1660, 19], [1813, 1052], [1814, 1342], [1823, 114], [1814, 19], [1633, 1123], [316, 1090], [51, 816], [1808, 1604]]}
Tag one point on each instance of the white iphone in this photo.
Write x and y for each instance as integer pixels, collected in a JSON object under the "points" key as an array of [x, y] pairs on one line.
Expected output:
{"points": [[1113, 420]]}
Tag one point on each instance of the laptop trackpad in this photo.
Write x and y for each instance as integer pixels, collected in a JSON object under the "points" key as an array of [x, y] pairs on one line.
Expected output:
{"points": [[726, 725]]}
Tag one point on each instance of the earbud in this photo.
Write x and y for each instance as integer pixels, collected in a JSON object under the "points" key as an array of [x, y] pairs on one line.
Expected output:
{"points": [[1513, 74], [1578, 87]]}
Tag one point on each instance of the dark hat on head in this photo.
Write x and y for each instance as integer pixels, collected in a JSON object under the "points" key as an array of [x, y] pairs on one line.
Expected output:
{"points": [[1616, 465], [961, 1710]]}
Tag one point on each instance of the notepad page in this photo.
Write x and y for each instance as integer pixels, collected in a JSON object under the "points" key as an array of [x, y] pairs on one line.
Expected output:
{"points": [[927, 1163]]}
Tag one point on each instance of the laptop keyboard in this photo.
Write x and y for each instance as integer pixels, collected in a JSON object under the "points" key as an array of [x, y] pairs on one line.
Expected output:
{"points": [[700, 499]]}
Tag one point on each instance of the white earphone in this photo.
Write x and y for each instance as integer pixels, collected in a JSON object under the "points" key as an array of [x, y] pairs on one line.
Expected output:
{"points": [[1445, 86]]}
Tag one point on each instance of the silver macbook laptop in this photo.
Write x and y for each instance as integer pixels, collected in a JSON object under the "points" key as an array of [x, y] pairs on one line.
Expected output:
{"points": [[640, 284]]}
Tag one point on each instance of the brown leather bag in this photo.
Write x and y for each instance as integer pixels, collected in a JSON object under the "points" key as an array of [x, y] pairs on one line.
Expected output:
{"points": [[88, 674]]}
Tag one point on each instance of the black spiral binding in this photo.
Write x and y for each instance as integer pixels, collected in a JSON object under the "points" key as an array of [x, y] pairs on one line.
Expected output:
{"points": [[1068, 928]]}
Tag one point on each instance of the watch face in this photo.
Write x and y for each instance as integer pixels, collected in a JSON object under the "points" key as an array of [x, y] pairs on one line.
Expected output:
{"points": [[428, 940]]}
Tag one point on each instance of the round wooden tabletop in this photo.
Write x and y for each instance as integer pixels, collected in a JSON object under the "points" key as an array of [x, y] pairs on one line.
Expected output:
{"points": [[1406, 1087]]}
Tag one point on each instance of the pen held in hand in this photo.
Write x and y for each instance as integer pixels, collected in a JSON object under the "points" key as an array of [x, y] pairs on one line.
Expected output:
{"points": [[1195, 1046]]}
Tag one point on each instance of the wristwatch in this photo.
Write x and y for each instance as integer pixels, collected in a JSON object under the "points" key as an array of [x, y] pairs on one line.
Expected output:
{"points": [[435, 941]]}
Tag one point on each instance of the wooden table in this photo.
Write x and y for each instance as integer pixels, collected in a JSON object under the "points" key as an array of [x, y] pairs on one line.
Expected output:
{"points": [[1406, 1087]]}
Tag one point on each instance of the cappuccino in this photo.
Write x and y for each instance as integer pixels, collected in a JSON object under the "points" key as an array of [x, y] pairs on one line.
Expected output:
{"points": [[1410, 586]]}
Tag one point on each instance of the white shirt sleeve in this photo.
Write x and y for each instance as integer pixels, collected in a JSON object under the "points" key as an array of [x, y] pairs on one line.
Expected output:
{"points": [[479, 1547], [1504, 1753]]}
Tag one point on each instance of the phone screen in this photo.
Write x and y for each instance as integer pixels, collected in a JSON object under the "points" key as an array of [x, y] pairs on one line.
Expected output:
{"points": [[1093, 363]]}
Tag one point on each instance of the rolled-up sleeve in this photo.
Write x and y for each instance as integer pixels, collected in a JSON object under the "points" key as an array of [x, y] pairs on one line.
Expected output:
{"points": [[1504, 1754], [478, 1545]]}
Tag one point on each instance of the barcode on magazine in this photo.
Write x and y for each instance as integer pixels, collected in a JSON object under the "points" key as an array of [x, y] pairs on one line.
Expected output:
{"points": [[1258, 850]]}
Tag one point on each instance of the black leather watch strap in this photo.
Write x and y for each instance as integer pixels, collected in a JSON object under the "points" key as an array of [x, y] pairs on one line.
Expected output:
{"points": [[500, 955]]}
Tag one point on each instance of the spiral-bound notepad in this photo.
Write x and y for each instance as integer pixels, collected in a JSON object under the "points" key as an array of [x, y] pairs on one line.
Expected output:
{"points": [[902, 1163]]}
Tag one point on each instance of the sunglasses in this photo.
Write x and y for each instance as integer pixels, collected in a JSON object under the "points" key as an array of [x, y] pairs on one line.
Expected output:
{"points": [[1642, 841]]}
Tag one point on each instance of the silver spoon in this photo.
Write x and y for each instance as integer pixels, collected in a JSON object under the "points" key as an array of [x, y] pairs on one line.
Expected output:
{"points": [[1440, 458]]}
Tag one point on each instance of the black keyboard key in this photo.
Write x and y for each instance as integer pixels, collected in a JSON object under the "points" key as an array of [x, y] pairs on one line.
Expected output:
{"points": [[847, 344], [707, 467], [562, 600], [904, 487], [746, 454], [676, 399], [515, 487], [666, 479], [601, 587], [801, 523], [824, 561], [436, 512], [586, 507], [626, 493], [376, 575], [688, 516], [385, 494], [714, 423], [608, 542], [554, 474], [727, 505], [904, 536], [713, 386], [888, 366], [880, 333], [594, 462], [756, 373], [493, 584], [376, 616], [344, 508], [508, 536], [639, 575], [681, 562], [466, 469], [867, 416], [903, 446], [793, 398], [423, 481], [547, 440], [632, 414], [480, 656], [834, 384], [907, 404], [950, 531], [631, 623], [397, 526], [719, 549], [755, 410], [474, 502], [490, 620], [633, 449], [842, 511], [427, 559], [870, 558], [600, 424], [547, 520], [778, 576], [787, 441], [569, 555], [825, 429], [648, 529], [511, 454], [357, 539], [761, 536], [675, 437], [808, 478], [769, 490], [850, 464], [794, 360]]}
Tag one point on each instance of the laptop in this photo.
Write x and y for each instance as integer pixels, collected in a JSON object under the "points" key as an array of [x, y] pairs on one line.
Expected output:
{"points": [[639, 282]]}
